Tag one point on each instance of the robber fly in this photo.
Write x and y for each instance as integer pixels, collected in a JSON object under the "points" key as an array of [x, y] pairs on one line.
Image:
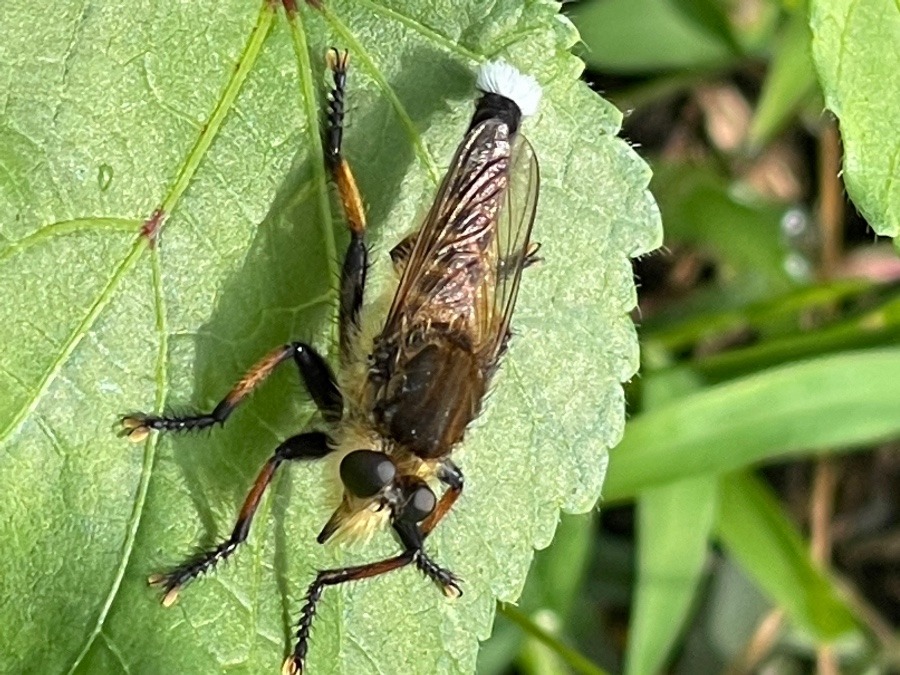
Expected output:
{"points": [[408, 386]]}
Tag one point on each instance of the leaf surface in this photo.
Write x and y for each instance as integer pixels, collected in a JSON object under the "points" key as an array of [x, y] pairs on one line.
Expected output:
{"points": [[856, 47], [110, 111]]}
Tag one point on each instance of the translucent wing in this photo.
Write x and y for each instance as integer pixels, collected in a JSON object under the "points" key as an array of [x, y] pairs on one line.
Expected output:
{"points": [[462, 272], [514, 237]]}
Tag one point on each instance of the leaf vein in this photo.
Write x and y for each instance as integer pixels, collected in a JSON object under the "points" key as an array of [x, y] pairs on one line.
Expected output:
{"points": [[842, 43], [110, 645], [72, 341], [310, 107], [65, 227], [223, 106], [146, 467]]}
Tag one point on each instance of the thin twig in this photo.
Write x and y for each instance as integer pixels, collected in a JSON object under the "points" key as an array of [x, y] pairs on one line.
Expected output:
{"points": [[831, 201], [760, 644]]}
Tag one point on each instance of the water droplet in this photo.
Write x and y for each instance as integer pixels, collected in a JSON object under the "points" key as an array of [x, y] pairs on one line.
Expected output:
{"points": [[104, 176], [798, 267], [794, 222]]}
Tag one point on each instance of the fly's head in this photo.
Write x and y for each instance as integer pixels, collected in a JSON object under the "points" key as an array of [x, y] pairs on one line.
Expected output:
{"points": [[379, 489]]}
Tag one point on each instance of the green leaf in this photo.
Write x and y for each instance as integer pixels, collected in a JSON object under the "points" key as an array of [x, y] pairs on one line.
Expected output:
{"points": [[855, 51], [636, 36], [674, 526], [837, 401], [759, 536], [712, 15], [789, 82], [110, 111]]}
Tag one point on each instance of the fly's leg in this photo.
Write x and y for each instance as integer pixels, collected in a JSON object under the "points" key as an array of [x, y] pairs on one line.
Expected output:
{"points": [[451, 476], [314, 371], [308, 446], [412, 539], [405, 521], [508, 265], [293, 665], [353, 272]]}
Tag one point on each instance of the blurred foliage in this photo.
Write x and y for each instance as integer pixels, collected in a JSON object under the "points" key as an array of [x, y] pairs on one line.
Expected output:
{"points": [[750, 512]]}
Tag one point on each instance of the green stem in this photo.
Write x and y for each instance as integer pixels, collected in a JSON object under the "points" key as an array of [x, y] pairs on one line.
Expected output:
{"points": [[577, 661], [880, 326], [310, 106]]}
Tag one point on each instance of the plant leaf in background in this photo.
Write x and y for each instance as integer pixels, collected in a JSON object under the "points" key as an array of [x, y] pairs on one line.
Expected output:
{"points": [[675, 522], [758, 535], [632, 36], [841, 400], [674, 527], [791, 79], [856, 46], [103, 109]]}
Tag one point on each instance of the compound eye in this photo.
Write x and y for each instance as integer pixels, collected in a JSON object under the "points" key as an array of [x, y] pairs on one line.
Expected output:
{"points": [[365, 473], [420, 505]]}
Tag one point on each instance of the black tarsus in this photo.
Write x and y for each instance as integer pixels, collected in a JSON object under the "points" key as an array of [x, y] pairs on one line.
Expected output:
{"points": [[334, 113], [413, 541], [315, 372]]}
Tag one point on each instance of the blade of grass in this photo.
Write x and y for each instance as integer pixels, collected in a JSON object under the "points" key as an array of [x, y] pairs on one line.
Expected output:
{"points": [[843, 400], [760, 538], [675, 522], [880, 326], [760, 316], [674, 527], [790, 80]]}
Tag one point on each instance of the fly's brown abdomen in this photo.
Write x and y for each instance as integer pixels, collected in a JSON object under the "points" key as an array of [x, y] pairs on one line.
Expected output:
{"points": [[430, 400]]}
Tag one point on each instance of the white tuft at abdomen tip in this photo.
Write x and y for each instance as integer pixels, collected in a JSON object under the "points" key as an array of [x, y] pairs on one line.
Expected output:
{"points": [[499, 77]]}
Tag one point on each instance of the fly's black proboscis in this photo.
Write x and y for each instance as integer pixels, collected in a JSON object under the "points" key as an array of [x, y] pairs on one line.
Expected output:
{"points": [[407, 385]]}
